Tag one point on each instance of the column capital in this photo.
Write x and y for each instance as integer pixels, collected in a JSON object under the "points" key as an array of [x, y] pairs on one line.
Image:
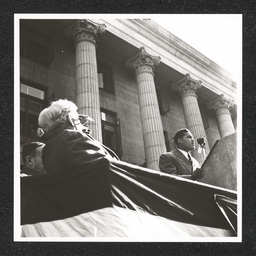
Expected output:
{"points": [[187, 86], [85, 30], [221, 104], [143, 62]]}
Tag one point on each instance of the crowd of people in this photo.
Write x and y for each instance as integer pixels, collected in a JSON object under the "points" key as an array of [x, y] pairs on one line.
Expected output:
{"points": [[69, 146]]}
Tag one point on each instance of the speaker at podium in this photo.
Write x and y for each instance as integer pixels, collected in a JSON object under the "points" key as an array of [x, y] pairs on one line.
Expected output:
{"points": [[220, 166]]}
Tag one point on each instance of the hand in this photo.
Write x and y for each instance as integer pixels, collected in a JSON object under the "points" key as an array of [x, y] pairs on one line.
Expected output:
{"points": [[85, 119], [197, 174]]}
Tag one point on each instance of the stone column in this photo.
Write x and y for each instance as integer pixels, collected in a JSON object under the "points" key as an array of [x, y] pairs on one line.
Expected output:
{"points": [[187, 88], [87, 89], [222, 107], [152, 129]]}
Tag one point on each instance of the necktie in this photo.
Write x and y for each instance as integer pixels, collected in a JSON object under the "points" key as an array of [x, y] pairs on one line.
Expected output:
{"points": [[190, 159]]}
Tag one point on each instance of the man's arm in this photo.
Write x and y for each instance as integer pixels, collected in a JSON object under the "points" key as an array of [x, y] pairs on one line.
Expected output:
{"points": [[166, 165], [197, 174]]}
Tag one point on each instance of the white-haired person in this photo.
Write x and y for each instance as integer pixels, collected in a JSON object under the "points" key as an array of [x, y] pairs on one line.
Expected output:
{"points": [[68, 143]]}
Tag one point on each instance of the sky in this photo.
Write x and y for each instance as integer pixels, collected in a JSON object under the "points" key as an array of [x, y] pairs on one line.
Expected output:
{"points": [[217, 36]]}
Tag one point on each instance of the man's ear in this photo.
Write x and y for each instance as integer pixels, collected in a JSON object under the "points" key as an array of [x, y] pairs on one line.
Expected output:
{"points": [[179, 140], [29, 161]]}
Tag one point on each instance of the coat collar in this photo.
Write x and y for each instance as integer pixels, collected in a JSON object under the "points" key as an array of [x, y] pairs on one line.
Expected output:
{"points": [[28, 171], [57, 129], [183, 160]]}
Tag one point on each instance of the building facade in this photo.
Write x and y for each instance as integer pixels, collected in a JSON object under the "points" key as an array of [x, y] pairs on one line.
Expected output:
{"points": [[138, 81]]}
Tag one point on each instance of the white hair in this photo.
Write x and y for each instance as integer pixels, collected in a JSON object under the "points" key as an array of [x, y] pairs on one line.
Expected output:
{"points": [[56, 114]]}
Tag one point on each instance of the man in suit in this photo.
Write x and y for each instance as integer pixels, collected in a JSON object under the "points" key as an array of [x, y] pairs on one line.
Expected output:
{"points": [[179, 161]]}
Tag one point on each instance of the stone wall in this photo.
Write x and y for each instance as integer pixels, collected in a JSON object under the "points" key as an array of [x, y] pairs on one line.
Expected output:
{"points": [[174, 119], [59, 77], [127, 108]]}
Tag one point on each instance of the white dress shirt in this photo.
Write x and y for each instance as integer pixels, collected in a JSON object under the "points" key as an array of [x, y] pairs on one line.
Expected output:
{"points": [[195, 164]]}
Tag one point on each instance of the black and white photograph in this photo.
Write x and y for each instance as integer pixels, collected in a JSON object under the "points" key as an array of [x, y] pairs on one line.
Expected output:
{"points": [[128, 127]]}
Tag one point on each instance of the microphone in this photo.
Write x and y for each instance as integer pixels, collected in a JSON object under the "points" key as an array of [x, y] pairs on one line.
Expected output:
{"points": [[201, 142]]}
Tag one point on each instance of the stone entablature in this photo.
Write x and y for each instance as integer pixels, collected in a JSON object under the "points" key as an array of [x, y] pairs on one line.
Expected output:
{"points": [[174, 52]]}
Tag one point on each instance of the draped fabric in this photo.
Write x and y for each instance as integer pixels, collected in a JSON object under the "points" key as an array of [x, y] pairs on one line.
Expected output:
{"points": [[228, 206], [116, 199]]}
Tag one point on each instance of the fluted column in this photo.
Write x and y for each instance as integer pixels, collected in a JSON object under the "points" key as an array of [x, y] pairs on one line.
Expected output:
{"points": [[87, 89], [152, 129], [187, 88], [222, 107]]}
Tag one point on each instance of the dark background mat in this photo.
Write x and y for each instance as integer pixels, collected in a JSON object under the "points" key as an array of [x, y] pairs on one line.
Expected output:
{"points": [[8, 8]]}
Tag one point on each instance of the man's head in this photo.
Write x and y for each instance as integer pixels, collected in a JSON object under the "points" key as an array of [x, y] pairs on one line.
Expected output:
{"points": [[59, 112], [184, 140], [32, 156]]}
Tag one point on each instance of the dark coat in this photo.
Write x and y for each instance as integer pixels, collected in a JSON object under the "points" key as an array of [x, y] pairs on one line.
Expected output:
{"points": [[26, 171], [70, 150], [176, 163]]}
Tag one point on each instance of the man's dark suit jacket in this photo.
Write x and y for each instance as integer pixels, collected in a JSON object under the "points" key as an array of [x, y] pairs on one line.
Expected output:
{"points": [[176, 163]]}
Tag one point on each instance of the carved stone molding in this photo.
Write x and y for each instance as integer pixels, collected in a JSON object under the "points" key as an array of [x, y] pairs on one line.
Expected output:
{"points": [[221, 105], [85, 30], [143, 62], [187, 86]]}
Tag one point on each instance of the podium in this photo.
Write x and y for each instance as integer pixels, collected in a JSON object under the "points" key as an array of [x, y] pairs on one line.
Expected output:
{"points": [[220, 166]]}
